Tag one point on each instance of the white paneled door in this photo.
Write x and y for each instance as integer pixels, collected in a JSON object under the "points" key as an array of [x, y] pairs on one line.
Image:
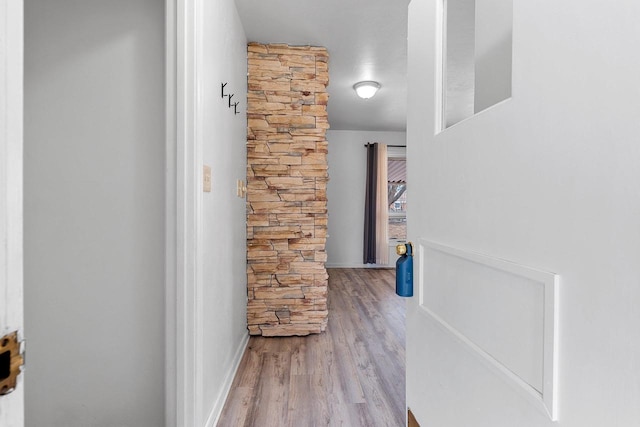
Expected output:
{"points": [[11, 100], [482, 338]]}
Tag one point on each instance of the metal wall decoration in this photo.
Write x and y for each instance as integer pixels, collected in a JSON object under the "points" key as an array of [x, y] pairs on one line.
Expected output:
{"points": [[229, 96]]}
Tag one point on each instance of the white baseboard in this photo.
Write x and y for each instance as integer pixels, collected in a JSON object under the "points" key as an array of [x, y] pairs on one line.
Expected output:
{"points": [[216, 411]]}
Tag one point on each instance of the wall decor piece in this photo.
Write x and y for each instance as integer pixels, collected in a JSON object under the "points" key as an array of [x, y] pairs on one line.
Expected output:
{"points": [[287, 177], [229, 96]]}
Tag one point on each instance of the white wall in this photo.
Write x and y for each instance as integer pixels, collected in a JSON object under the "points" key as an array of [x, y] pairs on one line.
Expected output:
{"points": [[548, 179], [224, 216], [346, 192], [94, 213]]}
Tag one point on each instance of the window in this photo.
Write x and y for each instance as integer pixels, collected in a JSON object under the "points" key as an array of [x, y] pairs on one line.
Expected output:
{"points": [[397, 194], [477, 54]]}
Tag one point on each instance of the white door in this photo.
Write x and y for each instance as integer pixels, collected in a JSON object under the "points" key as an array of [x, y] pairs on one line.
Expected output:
{"points": [[481, 331], [11, 90]]}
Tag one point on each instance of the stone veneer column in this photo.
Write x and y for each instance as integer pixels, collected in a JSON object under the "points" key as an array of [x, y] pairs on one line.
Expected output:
{"points": [[287, 189]]}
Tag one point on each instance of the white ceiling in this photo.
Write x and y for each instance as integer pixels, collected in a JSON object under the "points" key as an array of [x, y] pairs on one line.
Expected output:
{"points": [[366, 39]]}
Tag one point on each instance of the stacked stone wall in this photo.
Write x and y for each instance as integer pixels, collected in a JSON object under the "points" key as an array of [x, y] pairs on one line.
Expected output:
{"points": [[287, 177]]}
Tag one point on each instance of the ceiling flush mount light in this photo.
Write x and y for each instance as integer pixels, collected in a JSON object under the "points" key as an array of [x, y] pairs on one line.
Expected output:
{"points": [[366, 90]]}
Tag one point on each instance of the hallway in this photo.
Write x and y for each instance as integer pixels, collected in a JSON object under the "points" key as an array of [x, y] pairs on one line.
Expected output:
{"points": [[351, 375]]}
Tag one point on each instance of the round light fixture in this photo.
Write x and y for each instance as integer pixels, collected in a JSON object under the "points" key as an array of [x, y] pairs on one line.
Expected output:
{"points": [[366, 90]]}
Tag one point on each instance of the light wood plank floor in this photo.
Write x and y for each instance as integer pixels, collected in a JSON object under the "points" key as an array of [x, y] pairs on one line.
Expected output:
{"points": [[352, 375]]}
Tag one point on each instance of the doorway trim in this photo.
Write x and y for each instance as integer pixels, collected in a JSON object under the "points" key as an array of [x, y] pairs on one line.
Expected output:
{"points": [[183, 241], [11, 192]]}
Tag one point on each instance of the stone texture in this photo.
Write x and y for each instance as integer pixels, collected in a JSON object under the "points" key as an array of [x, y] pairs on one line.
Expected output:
{"points": [[287, 177]]}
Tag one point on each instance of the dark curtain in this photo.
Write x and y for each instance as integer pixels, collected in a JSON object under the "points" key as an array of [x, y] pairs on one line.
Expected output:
{"points": [[370, 205]]}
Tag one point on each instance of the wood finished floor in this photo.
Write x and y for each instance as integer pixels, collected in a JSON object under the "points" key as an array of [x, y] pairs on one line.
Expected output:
{"points": [[352, 375]]}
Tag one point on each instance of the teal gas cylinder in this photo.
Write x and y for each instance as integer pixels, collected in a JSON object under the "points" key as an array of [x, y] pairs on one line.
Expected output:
{"points": [[404, 270]]}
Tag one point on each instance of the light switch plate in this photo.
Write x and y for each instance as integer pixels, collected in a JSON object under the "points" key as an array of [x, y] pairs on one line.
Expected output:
{"points": [[206, 179]]}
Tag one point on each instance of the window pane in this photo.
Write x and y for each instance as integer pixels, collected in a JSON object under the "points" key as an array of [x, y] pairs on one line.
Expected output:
{"points": [[397, 185], [477, 56]]}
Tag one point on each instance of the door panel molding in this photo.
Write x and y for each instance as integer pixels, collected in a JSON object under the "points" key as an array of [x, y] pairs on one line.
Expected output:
{"points": [[451, 283]]}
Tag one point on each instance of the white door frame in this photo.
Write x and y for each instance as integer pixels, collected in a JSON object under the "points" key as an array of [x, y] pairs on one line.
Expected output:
{"points": [[183, 206], [11, 146], [184, 362]]}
